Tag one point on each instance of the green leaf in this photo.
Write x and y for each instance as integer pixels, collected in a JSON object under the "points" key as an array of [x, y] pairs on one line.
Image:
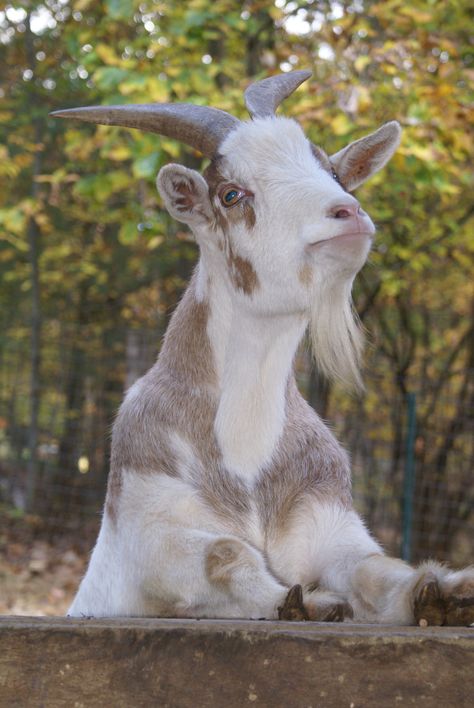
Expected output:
{"points": [[147, 166], [128, 233], [120, 9]]}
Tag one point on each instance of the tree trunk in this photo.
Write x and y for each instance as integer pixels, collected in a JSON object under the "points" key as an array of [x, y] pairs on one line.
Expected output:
{"points": [[33, 254]]}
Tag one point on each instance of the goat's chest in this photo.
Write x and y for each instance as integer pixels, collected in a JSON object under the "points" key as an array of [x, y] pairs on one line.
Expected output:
{"points": [[304, 467]]}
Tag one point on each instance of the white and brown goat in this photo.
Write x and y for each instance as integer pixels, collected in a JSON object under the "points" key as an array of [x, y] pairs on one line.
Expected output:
{"points": [[228, 496]]}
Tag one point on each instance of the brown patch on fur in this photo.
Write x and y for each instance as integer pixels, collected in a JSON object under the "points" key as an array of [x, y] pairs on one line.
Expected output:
{"points": [[242, 273], [178, 394], [242, 211], [305, 275], [214, 179], [221, 560], [140, 439], [249, 215], [233, 215], [114, 489]]}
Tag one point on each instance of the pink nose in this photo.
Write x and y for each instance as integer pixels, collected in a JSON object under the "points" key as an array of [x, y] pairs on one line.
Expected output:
{"points": [[345, 211]]}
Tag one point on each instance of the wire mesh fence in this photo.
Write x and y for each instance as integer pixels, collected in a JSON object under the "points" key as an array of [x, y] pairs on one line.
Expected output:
{"points": [[412, 453]]}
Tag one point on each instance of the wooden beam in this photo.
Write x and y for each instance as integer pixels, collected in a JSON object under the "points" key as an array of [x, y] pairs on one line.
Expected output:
{"points": [[199, 663]]}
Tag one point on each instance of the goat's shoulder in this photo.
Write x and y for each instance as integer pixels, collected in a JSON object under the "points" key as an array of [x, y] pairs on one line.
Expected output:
{"points": [[306, 431], [308, 461]]}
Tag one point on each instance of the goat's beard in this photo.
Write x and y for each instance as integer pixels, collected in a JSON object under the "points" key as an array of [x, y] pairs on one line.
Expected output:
{"points": [[336, 334]]}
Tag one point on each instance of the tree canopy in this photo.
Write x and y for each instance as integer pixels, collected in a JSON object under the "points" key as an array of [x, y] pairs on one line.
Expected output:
{"points": [[89, 260]]}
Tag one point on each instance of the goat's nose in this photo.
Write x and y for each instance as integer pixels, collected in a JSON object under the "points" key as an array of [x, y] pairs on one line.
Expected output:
{"points": [[345, 211]]}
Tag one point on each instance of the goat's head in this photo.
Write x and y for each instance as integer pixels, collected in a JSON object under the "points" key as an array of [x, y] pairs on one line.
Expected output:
{"points": [[273, 214]]}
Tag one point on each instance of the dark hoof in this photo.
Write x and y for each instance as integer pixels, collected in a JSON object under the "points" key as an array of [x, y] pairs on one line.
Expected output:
{"points": [[338, 613], [293, 609], [429, 607], [459, 611]]}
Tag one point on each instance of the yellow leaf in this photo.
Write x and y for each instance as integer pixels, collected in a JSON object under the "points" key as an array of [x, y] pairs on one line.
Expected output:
{"points": [[155, 242], [119, 153], [415, 14], [423, 153], [107, 55], [341, 125], [445, 90], [361, 62], [157, 90]]}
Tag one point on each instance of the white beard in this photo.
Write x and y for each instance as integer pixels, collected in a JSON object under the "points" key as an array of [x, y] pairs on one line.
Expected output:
{"points": [[336, 333]]}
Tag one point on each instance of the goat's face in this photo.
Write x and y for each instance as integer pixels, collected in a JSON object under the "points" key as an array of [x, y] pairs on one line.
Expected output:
{"points": [[275, 222], [272, 210]]}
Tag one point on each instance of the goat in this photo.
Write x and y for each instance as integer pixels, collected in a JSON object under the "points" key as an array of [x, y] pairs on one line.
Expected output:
{"points": [[228, 496]]}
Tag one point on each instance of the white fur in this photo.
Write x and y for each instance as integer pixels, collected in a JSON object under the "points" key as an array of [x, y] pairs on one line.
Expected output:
{"points": [[255, 368]]}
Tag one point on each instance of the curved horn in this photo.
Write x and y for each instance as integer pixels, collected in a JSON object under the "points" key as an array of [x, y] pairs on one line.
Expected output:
{"points": [[201, 127], [263, 98]]}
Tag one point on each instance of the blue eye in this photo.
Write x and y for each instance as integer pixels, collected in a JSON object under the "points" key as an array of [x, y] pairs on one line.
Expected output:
{"points": [[231, 195]]}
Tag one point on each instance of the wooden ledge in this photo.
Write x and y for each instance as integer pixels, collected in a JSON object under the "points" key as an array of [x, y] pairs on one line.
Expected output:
{"points": [[199, 663]]}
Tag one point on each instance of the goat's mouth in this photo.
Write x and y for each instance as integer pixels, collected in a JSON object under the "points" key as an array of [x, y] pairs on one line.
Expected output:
{"points": [[350, 236]]}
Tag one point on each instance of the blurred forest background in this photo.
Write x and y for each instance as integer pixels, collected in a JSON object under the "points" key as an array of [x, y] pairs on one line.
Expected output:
{"points": [[91, 266]]}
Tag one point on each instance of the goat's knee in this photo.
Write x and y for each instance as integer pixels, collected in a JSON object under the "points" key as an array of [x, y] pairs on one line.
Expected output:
{"points": [[238, 570], [225, 558]]}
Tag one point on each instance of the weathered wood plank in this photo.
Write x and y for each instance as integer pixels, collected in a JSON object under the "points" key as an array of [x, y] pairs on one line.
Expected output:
{"points": [[189, 663]]}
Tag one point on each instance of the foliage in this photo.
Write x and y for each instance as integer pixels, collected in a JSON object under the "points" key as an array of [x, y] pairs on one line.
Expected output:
{"points": [[83, 237]]}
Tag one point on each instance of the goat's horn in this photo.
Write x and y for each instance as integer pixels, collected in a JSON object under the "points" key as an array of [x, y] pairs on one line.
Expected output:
{"points": [[201, 127], [263, 98]]}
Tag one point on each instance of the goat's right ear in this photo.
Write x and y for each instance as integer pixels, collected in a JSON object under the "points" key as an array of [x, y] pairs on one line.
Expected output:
{"points": [[185, 194], [361, 159]]}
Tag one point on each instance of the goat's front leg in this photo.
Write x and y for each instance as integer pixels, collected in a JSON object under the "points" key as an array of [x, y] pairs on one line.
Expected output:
{"points": [[336, 554], [391, 591], [388, 590], [199, 574]]}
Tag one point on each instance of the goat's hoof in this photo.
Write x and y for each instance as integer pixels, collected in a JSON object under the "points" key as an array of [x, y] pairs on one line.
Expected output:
{"points": [[335, 614], [429, 607], [460, 602], [459, 611], [326, 606], [338, 613], [293, 609]]}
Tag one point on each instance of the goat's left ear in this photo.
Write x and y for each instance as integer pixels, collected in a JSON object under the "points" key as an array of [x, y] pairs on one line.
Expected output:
{"points": [[185, 194], [362, 158]]}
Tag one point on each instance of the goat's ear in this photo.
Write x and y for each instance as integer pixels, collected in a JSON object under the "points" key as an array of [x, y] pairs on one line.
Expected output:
{"points": [[185, 194], [362, 158]]}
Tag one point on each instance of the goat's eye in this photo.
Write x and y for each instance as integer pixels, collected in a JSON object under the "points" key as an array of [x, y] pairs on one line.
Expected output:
{"points": [[230, 196]]}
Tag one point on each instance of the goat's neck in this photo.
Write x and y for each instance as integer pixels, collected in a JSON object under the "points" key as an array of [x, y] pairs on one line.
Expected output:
{"points": [[253, 357]]}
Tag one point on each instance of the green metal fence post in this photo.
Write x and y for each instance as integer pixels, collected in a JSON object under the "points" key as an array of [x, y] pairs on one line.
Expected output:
{"points": [[409, 478]]}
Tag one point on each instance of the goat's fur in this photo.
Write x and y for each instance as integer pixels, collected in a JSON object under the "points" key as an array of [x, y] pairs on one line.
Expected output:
{"points": [[226, 488]]}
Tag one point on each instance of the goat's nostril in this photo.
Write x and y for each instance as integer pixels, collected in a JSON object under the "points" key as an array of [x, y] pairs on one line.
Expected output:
{"points": [[342, 214], [345, 210]]}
